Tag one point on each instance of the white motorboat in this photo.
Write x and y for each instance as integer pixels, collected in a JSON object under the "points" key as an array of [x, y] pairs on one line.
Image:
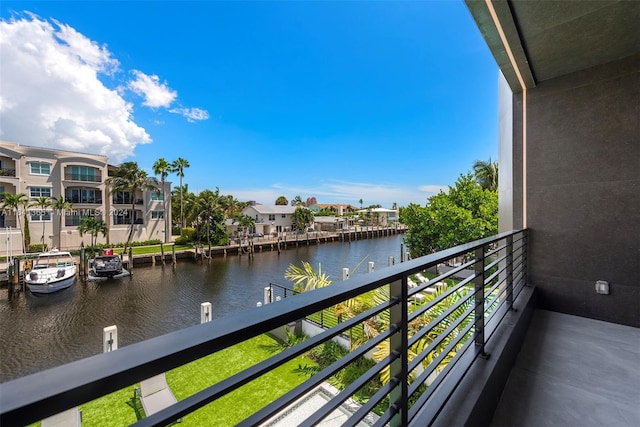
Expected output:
{"points": [[52, 271]]}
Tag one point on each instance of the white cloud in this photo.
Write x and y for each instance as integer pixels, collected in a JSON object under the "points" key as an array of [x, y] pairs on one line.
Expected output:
{"points": [[342, 192], [192, 114], [52, 96], [155, 94]]}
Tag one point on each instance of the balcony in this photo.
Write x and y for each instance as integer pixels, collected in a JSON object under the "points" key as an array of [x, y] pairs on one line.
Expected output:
{"points": [[494, 282], [82, 177], [7, 172], [84, 200], [126, 201]]}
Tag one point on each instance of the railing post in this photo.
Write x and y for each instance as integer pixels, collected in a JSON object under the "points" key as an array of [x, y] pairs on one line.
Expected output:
{"points": [[399, 344], [478, 282], [509, 260]]}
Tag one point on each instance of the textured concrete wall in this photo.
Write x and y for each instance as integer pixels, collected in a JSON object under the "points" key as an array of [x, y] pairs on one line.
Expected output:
{"points": [[583, 191]]}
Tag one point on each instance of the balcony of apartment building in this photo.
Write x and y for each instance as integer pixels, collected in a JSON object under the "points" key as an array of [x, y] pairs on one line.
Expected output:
{"points": [[86, 174], [74, 217], [126, 198], [541, 326], [7, 168], [80, 195]]}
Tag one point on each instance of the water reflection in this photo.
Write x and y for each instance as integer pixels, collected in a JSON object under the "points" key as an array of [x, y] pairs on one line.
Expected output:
{"points": [[39, 332]]}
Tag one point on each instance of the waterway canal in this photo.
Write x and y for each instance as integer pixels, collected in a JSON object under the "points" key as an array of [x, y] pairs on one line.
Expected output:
{"points": [[40, 332]]}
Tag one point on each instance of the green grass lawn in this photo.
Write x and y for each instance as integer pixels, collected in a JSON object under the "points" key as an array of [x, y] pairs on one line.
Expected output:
{"points": [[155, 249], [119, 408]]}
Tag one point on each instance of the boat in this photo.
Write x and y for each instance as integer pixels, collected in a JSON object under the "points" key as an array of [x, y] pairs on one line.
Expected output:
{"points": [[52, 272], [107, 266]]}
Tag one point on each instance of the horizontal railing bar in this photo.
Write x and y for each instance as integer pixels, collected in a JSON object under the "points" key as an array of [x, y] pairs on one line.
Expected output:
{"points": [[348, 391], [428, 306], [302, 389], [441, 337], [494, 263], [493, 251], [444, 393], [441, 356], [424, 331]]}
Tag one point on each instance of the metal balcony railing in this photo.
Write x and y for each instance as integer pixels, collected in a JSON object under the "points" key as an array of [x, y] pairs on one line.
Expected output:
{"points": [[85, 200], [7, 172], [431, 344], [83, 177]]}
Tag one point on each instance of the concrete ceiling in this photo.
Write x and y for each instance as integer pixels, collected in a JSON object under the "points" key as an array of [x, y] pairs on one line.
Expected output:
{"points": [[553, 38]]}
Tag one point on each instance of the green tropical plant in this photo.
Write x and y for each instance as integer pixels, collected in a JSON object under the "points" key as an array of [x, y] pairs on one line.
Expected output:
{"points": [[209, 216], [245, 222], [163, 168], [42, 203], [59, 205], [486, 173], [282, 201], [14, 202], [306, 278], [465, 213], [297, 201], [93, 226], [178, 166], [129, 177], [302, 217]]}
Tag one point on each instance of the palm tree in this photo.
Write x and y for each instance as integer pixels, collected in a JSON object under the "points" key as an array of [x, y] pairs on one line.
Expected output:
{"points": [[361, 203], [245, 222], [129, 177], [297, 201], [59, 205], [24, 205], [93, 226], [209, 209], [14, 202], [178, 166], [486, 174], [42, 203], [306, 278], [163, 168]]}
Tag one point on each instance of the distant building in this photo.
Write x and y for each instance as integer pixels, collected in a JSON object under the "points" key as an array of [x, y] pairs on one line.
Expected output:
{"points": [[271, 218], [378, 216], [80, 179], [338, 208]]}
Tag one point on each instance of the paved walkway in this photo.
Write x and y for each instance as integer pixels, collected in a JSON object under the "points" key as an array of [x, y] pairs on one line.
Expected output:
{"points": [[573, 371]]}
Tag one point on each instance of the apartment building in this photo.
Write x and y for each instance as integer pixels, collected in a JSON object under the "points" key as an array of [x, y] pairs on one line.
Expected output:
{"points": [[80, 179]]}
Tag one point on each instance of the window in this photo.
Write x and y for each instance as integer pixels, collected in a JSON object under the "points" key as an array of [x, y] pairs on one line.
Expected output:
{"points": [[157, 214], [156, 195], [122, 197], [39, 216], [82, 195], [284, 215], [40, 168], [39, 192], [83, 173], [272, 217]]}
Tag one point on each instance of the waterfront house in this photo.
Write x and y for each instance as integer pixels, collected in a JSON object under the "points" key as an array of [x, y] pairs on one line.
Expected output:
{"points": [[271, 218]]}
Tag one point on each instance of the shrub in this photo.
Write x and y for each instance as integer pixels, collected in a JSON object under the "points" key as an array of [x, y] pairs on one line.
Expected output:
{"points": [[188, 233], [37, 247]]}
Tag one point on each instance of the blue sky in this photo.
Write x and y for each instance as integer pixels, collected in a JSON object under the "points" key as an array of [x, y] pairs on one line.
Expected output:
{"points": [[381, 101]]}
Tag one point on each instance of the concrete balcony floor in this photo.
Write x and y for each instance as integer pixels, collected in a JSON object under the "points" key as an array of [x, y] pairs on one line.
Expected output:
{"points": [[573, 371]]}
